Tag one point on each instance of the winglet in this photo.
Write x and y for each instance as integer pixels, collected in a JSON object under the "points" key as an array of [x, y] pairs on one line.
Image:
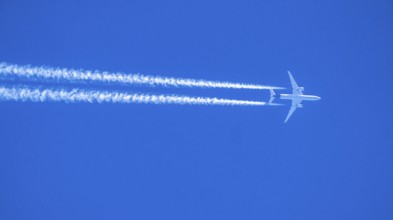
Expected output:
{"points": [[286, 119]]}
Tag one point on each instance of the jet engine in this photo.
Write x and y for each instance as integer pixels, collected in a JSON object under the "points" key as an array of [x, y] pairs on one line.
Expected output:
{"points": [[301, 89], [299, 105]]}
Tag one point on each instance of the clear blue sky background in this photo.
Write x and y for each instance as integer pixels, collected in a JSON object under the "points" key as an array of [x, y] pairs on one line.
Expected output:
{"points": [[332, 160]]}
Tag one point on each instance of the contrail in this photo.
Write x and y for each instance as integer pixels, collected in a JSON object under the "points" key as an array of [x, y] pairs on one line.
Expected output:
{"points": [[76, 95], [71, 75]]}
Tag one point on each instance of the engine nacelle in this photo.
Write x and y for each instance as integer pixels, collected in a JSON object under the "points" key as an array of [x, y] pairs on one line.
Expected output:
{"points": [[299, 105], [301, 89]]}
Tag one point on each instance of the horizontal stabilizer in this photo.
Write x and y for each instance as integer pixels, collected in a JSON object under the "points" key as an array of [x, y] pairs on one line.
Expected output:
{"points": [[272, 96]]}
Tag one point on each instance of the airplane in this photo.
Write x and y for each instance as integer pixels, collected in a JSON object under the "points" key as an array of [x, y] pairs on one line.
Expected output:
{"points": [[297, 97]]}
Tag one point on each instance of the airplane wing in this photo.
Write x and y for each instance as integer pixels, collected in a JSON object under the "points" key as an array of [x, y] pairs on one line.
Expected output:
{"points": [[295, 88], [295, 104]]}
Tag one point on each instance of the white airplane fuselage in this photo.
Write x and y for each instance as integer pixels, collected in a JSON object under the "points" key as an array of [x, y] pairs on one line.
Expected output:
{"points": [[300, 97]]}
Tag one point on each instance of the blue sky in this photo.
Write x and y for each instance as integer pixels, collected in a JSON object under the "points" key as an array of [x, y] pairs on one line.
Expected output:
{"points": [[332, 160]]}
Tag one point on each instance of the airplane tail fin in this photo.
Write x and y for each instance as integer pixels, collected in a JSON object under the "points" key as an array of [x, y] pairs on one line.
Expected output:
{"points": [[272, 96]]}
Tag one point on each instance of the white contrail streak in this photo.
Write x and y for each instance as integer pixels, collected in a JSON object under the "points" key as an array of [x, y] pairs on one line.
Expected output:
{"points": [[75, 95], [70, 75]]}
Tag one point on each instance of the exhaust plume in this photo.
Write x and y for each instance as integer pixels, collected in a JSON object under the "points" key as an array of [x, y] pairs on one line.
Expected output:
{"points": [[25, 94], [85, 76]]}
